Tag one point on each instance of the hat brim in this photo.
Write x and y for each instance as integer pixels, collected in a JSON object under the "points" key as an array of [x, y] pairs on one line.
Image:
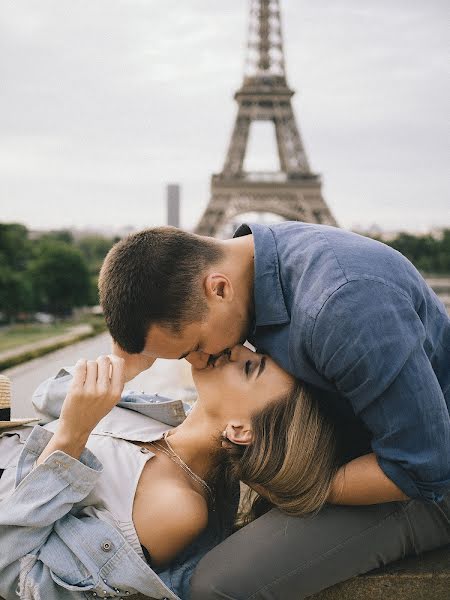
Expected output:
{"points": [[16, 423]]}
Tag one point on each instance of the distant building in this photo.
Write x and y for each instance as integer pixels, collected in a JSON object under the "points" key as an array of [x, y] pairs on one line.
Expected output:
{"points": [[173, 204]]}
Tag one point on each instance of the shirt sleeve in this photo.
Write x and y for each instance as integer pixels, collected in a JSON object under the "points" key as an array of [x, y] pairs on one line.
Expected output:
{"points": [[49, 396], [41, 499], [370, 342]]}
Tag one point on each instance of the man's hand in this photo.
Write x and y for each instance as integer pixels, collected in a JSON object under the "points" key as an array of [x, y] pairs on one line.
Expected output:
{"points": [[362, 481], [134, 363]]}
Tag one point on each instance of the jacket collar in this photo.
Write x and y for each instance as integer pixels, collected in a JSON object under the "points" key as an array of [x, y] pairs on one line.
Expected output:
{"points": [[138, 416], [170, 412], [270, 307]]}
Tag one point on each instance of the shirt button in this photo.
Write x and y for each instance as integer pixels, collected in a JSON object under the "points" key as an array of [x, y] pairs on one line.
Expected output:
{"points": [[106, 546], [145, 450]]}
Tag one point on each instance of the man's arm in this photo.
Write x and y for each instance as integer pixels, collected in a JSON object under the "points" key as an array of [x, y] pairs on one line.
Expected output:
{"points": [[361, 481], [369, 341], [134, 363]]}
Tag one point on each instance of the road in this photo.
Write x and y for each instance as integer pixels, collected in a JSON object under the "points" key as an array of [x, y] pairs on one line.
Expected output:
{"points": [[169, 377]]}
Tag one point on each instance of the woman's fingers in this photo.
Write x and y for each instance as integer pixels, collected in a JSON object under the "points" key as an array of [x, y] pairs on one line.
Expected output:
{"points": [[79, 373], [103, 374], [91, 376], [117, 375]]}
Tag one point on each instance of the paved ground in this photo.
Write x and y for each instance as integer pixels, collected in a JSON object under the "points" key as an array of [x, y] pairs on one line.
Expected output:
{"points": [[171, 378]]}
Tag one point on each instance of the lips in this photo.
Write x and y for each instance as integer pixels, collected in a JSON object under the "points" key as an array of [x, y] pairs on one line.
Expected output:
{"points": [[219, 361], [213, 359]]}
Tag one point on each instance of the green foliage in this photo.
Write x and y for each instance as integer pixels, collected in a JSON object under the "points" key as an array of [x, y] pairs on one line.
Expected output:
{"points": [[60, 235], [16, 293], [15, 247], [54, 272], [60, 277], [427, 253], [94, 248]]}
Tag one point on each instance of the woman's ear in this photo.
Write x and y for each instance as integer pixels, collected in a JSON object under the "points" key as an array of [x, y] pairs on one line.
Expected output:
{"points": [[238, 433]]}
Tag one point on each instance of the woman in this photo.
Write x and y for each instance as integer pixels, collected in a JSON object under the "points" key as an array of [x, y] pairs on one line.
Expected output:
{"points": [[86, 513]]}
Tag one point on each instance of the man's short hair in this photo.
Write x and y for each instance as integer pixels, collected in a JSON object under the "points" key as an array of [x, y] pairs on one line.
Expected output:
{"points": [[154, 277]]}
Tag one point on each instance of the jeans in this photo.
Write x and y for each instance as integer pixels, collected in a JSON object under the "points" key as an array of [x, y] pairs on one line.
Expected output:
{"points": [[278, 557]]}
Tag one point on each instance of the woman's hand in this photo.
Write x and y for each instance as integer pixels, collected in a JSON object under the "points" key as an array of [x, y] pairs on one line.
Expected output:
{"points": [[95, 389]]}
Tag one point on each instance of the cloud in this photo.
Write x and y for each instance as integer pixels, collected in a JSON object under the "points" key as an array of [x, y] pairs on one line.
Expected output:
{"points": [[103, 103]]}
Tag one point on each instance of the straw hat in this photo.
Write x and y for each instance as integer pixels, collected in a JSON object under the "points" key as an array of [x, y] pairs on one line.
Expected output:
{"points": [[5, 406]]}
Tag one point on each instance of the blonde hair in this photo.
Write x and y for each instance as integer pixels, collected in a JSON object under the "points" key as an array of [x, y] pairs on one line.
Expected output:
{"points": [[293, 456]]}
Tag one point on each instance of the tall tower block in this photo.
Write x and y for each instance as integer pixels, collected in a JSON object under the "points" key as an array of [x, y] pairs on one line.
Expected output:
{"points": [[173, 204], [293, 192]]}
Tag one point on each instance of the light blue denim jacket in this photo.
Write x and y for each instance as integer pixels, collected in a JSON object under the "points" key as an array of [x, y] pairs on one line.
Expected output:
{"points": [[50, 549]]}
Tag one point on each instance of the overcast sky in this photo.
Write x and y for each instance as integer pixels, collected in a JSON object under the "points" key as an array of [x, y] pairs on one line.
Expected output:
{"points": [[103, 102]]}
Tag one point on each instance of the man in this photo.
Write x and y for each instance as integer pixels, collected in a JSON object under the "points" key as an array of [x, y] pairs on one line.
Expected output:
{"points": [[342, 312]]}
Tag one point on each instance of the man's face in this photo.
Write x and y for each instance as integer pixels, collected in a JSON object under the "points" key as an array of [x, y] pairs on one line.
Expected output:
{"points": [[199, 340]]}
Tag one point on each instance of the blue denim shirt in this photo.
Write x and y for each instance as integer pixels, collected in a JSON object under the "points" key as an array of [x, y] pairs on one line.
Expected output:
{"points": [[52, 547], [354, 318]]}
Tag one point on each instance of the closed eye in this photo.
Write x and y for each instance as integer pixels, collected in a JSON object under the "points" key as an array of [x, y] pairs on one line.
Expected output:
{"points": [[247, 366]]}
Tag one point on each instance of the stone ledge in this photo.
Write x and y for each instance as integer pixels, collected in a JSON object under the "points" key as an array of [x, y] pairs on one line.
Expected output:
{"points": [[425, 577]]}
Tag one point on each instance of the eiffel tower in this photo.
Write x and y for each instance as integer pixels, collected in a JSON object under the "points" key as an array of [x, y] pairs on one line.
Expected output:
{"points": [[293, 192]]}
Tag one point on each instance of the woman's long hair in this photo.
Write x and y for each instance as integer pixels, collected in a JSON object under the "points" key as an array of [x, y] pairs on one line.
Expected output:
{"points": [[292, 458]]}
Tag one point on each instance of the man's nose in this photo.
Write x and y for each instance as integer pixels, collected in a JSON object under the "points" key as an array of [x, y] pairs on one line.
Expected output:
{"points": [[199, 359]]}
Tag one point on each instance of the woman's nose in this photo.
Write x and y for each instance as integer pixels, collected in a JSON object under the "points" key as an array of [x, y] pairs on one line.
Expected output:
{"points": [[240, 352]]}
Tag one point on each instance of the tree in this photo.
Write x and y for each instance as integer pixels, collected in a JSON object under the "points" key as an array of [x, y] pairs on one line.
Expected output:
{"points": [[15, 287], [16, 293], [429, 254], [15, 247], [94, 248], [58, 235], [60, 277]]}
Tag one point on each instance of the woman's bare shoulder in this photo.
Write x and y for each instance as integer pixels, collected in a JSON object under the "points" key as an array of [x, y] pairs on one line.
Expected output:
{"points": [[168, 519]]}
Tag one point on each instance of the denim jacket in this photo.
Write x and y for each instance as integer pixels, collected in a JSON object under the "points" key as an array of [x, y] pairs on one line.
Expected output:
{"points": [[52, 546]]}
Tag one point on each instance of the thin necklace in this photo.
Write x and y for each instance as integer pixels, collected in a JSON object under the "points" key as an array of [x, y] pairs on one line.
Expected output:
{"points": [[180, 462]]}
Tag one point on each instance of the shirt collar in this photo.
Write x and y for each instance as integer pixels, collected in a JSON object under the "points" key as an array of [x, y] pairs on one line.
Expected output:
{"points": [[270, 307]]}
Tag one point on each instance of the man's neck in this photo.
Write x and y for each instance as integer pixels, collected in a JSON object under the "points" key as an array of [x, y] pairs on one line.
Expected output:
{"points": [[240, 265]]}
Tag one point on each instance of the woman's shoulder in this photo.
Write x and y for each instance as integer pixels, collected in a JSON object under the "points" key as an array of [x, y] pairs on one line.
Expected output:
{"points": [[169, 520]]}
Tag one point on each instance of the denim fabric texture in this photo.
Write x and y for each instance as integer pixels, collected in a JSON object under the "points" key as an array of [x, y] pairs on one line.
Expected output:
{"points": [[354, 318], [53, 546]]}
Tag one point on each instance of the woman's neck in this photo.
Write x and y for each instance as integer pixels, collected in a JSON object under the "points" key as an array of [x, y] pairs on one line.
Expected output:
{"points": [[196, 440]]}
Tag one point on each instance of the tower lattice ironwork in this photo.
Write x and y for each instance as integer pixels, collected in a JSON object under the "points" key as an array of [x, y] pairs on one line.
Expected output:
{"points": [[293, 192]]}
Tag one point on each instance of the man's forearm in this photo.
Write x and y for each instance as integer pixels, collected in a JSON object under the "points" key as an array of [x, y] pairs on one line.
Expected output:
{"points": [[134, 363], [361, 481]]}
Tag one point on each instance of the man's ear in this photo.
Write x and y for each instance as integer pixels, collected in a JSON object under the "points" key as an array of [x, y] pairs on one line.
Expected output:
{"points": [[239, 433], [218, 285]]}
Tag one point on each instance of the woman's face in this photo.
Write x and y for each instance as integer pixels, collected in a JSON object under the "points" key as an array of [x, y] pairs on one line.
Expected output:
{"points": [[243, 381]]}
